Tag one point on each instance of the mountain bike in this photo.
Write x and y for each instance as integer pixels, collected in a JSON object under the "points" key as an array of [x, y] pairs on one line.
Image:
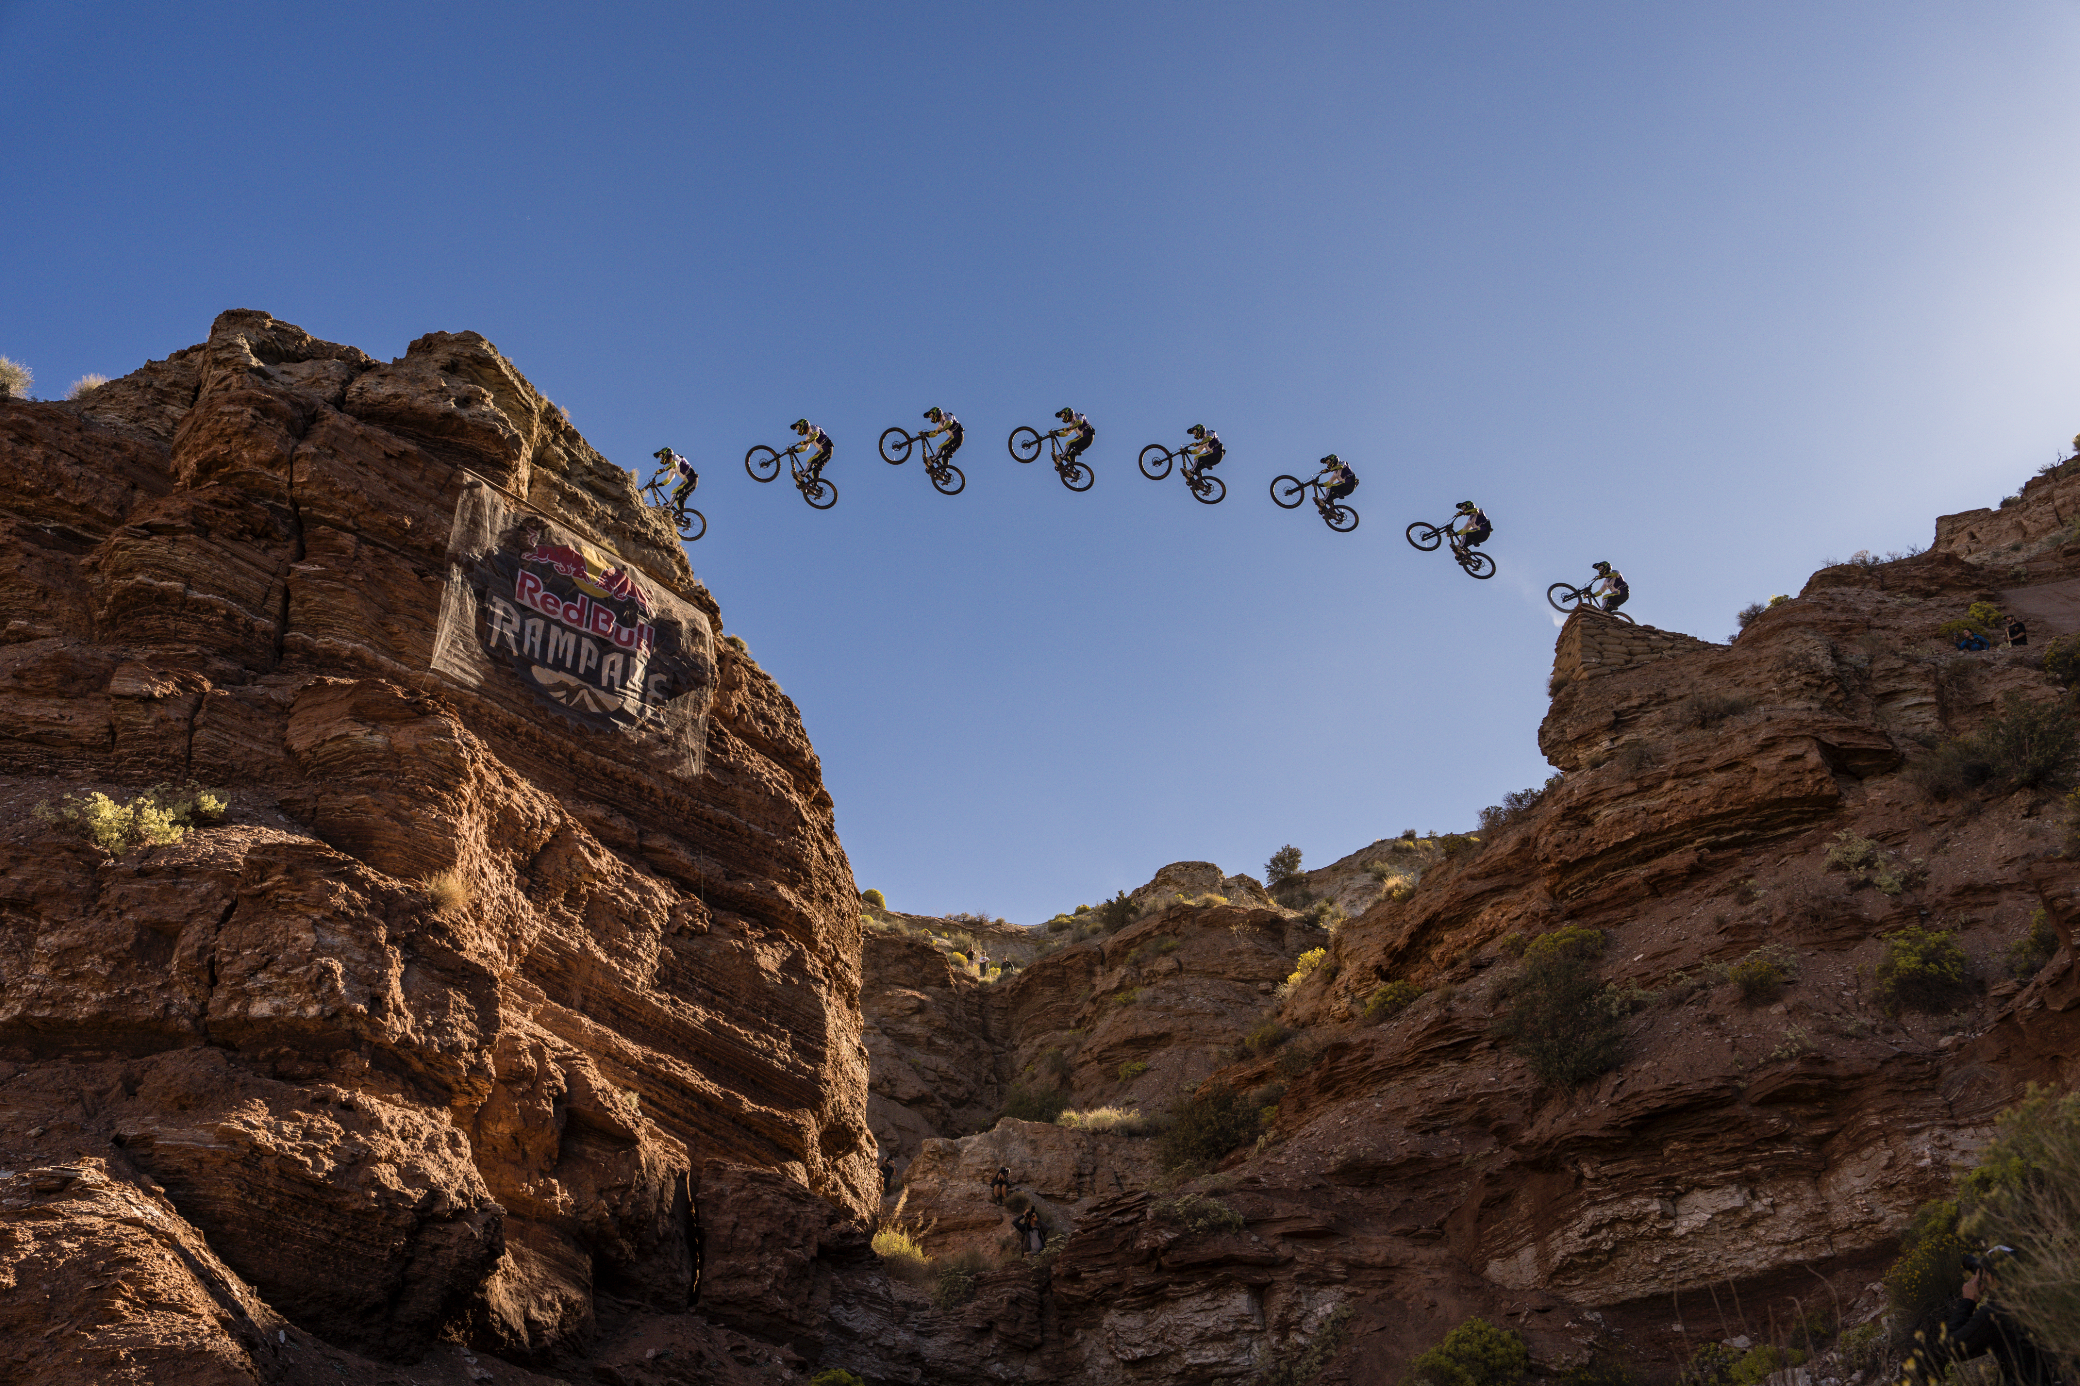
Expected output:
{"points": [[1288, 491], [1025, 446], [1565, 596], [895, 450], [691, 523], [1156, 461], [764, 464], [1427, 537]]}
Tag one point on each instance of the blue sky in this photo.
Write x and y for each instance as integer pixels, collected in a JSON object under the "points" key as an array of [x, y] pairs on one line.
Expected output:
{"points": [[1715, 292]]}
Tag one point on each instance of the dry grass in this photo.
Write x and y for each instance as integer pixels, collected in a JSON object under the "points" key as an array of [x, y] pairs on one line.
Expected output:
{"points": [[450, 892], [1123, 1121], [85, 385], [15, 379], [900, 1245]]}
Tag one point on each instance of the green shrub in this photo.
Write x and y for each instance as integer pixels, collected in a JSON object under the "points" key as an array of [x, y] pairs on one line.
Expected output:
{"points": [[1115, 914], [1454, 844], [2031, 742], [1059, 923], [835, 1376], [1867, 863], [1559, 1018], [1391, 1000], [1198, 1214], [1710, 1365], [1761, 1361], [1266, 1035], [1033, 1102], [956, 957], [15, 379], [1950, 769], [1127, 997], [1293, 1367], [1284, 867], [1327, 914], [1927, 1275], [1205, 1125], [2062, 659], [2028, 954], [1763, 974], [1305, 966], [1981, 618], [159, 815], [1476, 1353], [1132, 1069], [1860, 1346], [874, 900], [2026, 1193], [1514, 806], [956, 1281], [1294, 1060], [1922, 970]]}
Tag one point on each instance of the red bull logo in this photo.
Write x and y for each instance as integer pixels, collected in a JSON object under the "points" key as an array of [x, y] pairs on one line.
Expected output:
{"points": [[619, 582], [561, 557]]}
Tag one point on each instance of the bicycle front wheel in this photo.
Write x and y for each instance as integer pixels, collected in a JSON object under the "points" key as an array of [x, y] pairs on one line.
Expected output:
{"points": [[948, 481], [1340, 518], [1425, 537], [1024, 443], [895, 446], [1076, 476], [1211, 490], [1287, 492], [1155, 461], [820, 493], [1562, 596], [762, 462], [1478, 565], [692, 525]]}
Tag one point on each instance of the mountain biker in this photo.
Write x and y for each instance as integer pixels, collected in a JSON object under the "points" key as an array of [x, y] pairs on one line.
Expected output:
{"points": [[943, 422], [817, 443], [1469, 527], [1077, 429], [1610, 585], [1207, 451], [1338, 476], [669, 461]]}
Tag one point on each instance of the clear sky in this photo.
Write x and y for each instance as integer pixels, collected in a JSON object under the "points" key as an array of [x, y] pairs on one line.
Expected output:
{"points": [[1713, 291]]}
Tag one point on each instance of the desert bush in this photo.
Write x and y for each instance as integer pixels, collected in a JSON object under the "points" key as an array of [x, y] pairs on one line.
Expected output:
{"points": [[874, 900], [1763, 973], [85, 385], [1633, 757], [1867, 863], [1980, 618], [1922, 970], [1127, 997], [1283, 868], [1205, 1125], [835, 1376], [1860, 1346], [1513, 944], [2026, 1193], [1762, 1361], [900, 1244], [955, 1283], [2027, 955], [2031, 742], [1295, 1059], [1390, 1000], [1132, 1069], [1703, 711], [1514, 806], [1300, 1363], [1558, 1017], [1034, 1102], [1453, 844], [160, 815], [15, 379], [1326, 914], [1266, 1035], [1198, 1214], [1122, 1121], [450, 892], [1115, 914], [1710, 1365], [1059, 923], [1926, 1276], [956, 957], [1745, 617], [1380, 871], [1949, 769], [2062, 659], [1305, 967], [1476, 1353], [736, 642]]}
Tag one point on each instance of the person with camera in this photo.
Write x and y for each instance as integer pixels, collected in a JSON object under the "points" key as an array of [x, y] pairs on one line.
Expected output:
{"points": [[1977, 1325]]}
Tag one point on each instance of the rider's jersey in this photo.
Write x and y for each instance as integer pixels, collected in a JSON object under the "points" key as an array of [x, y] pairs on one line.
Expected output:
{"points": [[1468, 522], [1614, 584], [679, 464], [816, 441], [1340, 473], [1210, 450], [1080, 426], [948, 425]]}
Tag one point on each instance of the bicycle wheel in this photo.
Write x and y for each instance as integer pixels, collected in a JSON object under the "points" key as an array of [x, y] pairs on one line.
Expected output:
{"points": [[896, 456], [1076, 476], [1340, 518], [1478, 565], [948, 481], [820, 494], [1211, 490], [1287, 492], [1425, 537], [1562, 596], [1025, 443], [695, 521], [762, 462], [1158, 467]]}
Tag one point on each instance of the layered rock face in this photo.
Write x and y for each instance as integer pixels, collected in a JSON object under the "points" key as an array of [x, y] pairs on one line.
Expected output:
{"points": [[491, 981]]}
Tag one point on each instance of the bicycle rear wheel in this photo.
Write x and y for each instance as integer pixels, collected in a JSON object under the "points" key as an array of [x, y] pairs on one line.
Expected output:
{"points": [[1157, 467], [762, 462], [1024, 443], [820, 494], [1562, 596], [1287, 492], [696, 522], [1211, 490], [896, 456], [1340, 518], [1478, 565], [948, 481], [1076, 476], [1425, 537]]}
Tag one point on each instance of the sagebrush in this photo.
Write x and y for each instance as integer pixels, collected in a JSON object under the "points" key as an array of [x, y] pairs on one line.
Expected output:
{"points": [[159, 816]]}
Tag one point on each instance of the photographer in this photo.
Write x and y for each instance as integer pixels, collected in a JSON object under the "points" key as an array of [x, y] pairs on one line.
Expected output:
{"points": [[1975, 1325]]}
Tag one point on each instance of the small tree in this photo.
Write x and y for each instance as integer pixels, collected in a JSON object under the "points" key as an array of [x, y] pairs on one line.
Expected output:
{"points": [[1283, 868]]}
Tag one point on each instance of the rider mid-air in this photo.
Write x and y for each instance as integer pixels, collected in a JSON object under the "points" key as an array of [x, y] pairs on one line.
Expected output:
{"points": [[944, 423], [1469, 527], [1338, 477], [815, 445], [1077, 429], [1608, 584], [1207, 451]]}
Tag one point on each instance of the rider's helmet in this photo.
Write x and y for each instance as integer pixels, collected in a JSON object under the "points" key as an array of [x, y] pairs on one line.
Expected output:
{"points": [[1466, 507], [1332, 460], [933, 413], [661, 454], [800, 426], [1601, 567], [1065, 415], [1197, 431]]}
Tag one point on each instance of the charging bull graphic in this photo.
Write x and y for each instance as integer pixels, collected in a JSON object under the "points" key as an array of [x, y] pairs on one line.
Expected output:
{"points": [[574, 629]]}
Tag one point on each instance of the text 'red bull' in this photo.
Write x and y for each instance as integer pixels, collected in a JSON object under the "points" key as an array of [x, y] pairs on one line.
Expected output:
{"points": [[584, 614]]}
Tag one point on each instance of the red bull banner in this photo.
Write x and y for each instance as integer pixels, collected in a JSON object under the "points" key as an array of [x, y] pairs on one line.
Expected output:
{"points": [[537, 616]]}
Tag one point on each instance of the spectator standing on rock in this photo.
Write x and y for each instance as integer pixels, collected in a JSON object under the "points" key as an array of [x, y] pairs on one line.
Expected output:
{"points": [[2018, 633], [1000, 1184], [888, 1175], [1030, 1238], [1977, 1325]]}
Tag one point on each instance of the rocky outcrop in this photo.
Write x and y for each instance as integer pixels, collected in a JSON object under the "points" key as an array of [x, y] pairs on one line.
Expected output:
{"points": [[487, 992]]}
